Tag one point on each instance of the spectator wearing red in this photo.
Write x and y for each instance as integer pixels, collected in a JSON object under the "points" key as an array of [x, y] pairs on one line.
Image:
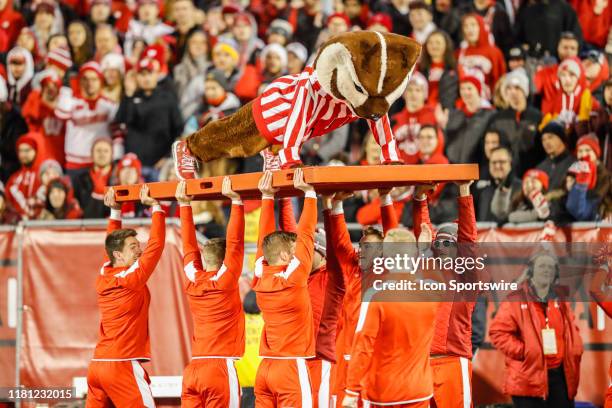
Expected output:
{"points": [[57, 60], [466, 125], [595, 17], [129, 172], [39, 113], [573, 101], [545, 80], [273, 61], [48, 170], [438, 64], [496, 20], [588, 148], [336, 23], [297, 56], [19, 75], [11, 21], [477, 51], [88, 116], [159, 57], [59, 203], [421, 19], [380, 22], [532, 203], [267, 11], [430, 150], [357, 11], [148, 26], [22, 186], [408, 122], [536, 374], [244, 33], [89, 187], [596, 71]]}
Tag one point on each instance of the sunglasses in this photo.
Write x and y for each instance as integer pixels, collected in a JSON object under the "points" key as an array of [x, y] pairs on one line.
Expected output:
{"points": [[446, 243]]}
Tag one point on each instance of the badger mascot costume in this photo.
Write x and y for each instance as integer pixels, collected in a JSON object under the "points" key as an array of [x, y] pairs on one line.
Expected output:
{"points": [[355, 75]]}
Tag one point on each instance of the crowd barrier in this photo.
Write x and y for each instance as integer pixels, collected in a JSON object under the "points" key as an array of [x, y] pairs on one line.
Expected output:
{"points": [[49, 316]]}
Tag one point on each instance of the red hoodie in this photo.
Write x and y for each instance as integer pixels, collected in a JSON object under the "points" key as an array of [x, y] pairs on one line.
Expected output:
{"points": [[407, 127], [577, 103], [483, 55], [11, 22], [595, 27]]}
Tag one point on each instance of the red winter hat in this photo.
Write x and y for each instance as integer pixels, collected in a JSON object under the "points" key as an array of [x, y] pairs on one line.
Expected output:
{"points": [[130, 160], [145, 64], [538, 174], [343, 16], [244, 18], [29, 139], [60, 57], [91, 66], [473, 80], [50, 77], [591, 141], [382, 19], [156, 52]]}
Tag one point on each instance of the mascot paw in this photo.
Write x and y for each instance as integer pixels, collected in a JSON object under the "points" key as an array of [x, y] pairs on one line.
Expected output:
{"points": [[185, 165], [394, 163]]}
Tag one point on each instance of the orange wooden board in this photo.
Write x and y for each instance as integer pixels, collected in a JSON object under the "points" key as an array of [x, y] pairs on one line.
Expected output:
{"points": [[324, 179]]}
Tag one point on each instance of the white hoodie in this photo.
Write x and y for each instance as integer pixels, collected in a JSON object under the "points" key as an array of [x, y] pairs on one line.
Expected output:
{"points": [[16, 85]]}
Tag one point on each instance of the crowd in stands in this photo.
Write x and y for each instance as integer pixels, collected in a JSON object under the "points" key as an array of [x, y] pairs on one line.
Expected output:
{"points": [[94, 92]]}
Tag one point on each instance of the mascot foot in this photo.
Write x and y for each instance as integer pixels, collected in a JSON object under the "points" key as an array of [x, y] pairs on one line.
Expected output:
{"points": [[185, 165], [292, 165]]}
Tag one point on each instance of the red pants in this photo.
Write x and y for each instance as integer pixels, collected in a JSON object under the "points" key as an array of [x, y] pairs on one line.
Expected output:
{"points": [[452, 382], [118, 383], [321, 373], [283, 383], [211, 383], [421, 404], [339, 382]]}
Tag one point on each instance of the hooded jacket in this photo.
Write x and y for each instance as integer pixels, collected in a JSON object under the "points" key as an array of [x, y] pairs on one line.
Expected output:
{"points": [[595, 27], [516, 332], [11, 22], [483, 55], [18, 89]]}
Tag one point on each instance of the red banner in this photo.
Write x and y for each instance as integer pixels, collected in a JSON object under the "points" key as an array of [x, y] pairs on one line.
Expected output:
{"points": [[8, 306]]}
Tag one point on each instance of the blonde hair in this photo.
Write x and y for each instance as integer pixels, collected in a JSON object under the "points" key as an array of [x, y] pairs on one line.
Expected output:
{"points": [[400, 235]]}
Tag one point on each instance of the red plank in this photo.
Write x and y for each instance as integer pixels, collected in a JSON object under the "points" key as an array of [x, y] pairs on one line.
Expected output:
{"points": [[324, 179]]}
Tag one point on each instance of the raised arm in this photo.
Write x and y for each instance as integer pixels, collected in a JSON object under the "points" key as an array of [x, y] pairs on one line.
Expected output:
{"points": [[467, 231], [234, 241], [304, 246], [287, 218], [420, 208], [266, 217], [387, 211], [192, 260], [114, 220], [342, 245], [137, 275]]}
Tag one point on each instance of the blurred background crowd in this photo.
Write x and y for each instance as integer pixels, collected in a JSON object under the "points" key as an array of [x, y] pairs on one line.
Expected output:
{"points": [[94, 92]]}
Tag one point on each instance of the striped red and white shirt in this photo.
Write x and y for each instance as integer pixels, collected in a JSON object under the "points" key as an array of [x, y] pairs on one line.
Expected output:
{"points": [[295, 108]]}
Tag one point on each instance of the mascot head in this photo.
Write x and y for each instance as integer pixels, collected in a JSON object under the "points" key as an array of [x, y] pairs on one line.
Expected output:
{"points": [[366, 69]]}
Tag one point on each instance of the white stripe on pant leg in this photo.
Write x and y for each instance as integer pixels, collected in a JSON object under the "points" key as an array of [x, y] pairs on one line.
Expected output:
{"points": [[324, 388], [143, 385], [366, 404], [234, 387], [465, 379], [304, 383]]}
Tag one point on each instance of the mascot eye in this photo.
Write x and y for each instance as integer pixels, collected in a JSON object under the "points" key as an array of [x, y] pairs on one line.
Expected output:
{"points": [[358, 88]]}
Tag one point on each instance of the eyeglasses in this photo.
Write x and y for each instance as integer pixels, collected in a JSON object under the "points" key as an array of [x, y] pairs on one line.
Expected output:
{"points": [[446, 243]]}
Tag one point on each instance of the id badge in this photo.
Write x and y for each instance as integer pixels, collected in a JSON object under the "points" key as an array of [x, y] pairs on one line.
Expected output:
{"points": [[549, 341]]}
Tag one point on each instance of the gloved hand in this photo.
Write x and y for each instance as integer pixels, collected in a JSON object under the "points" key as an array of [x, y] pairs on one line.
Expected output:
{"points": [[540, 204], [584, 172]]}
